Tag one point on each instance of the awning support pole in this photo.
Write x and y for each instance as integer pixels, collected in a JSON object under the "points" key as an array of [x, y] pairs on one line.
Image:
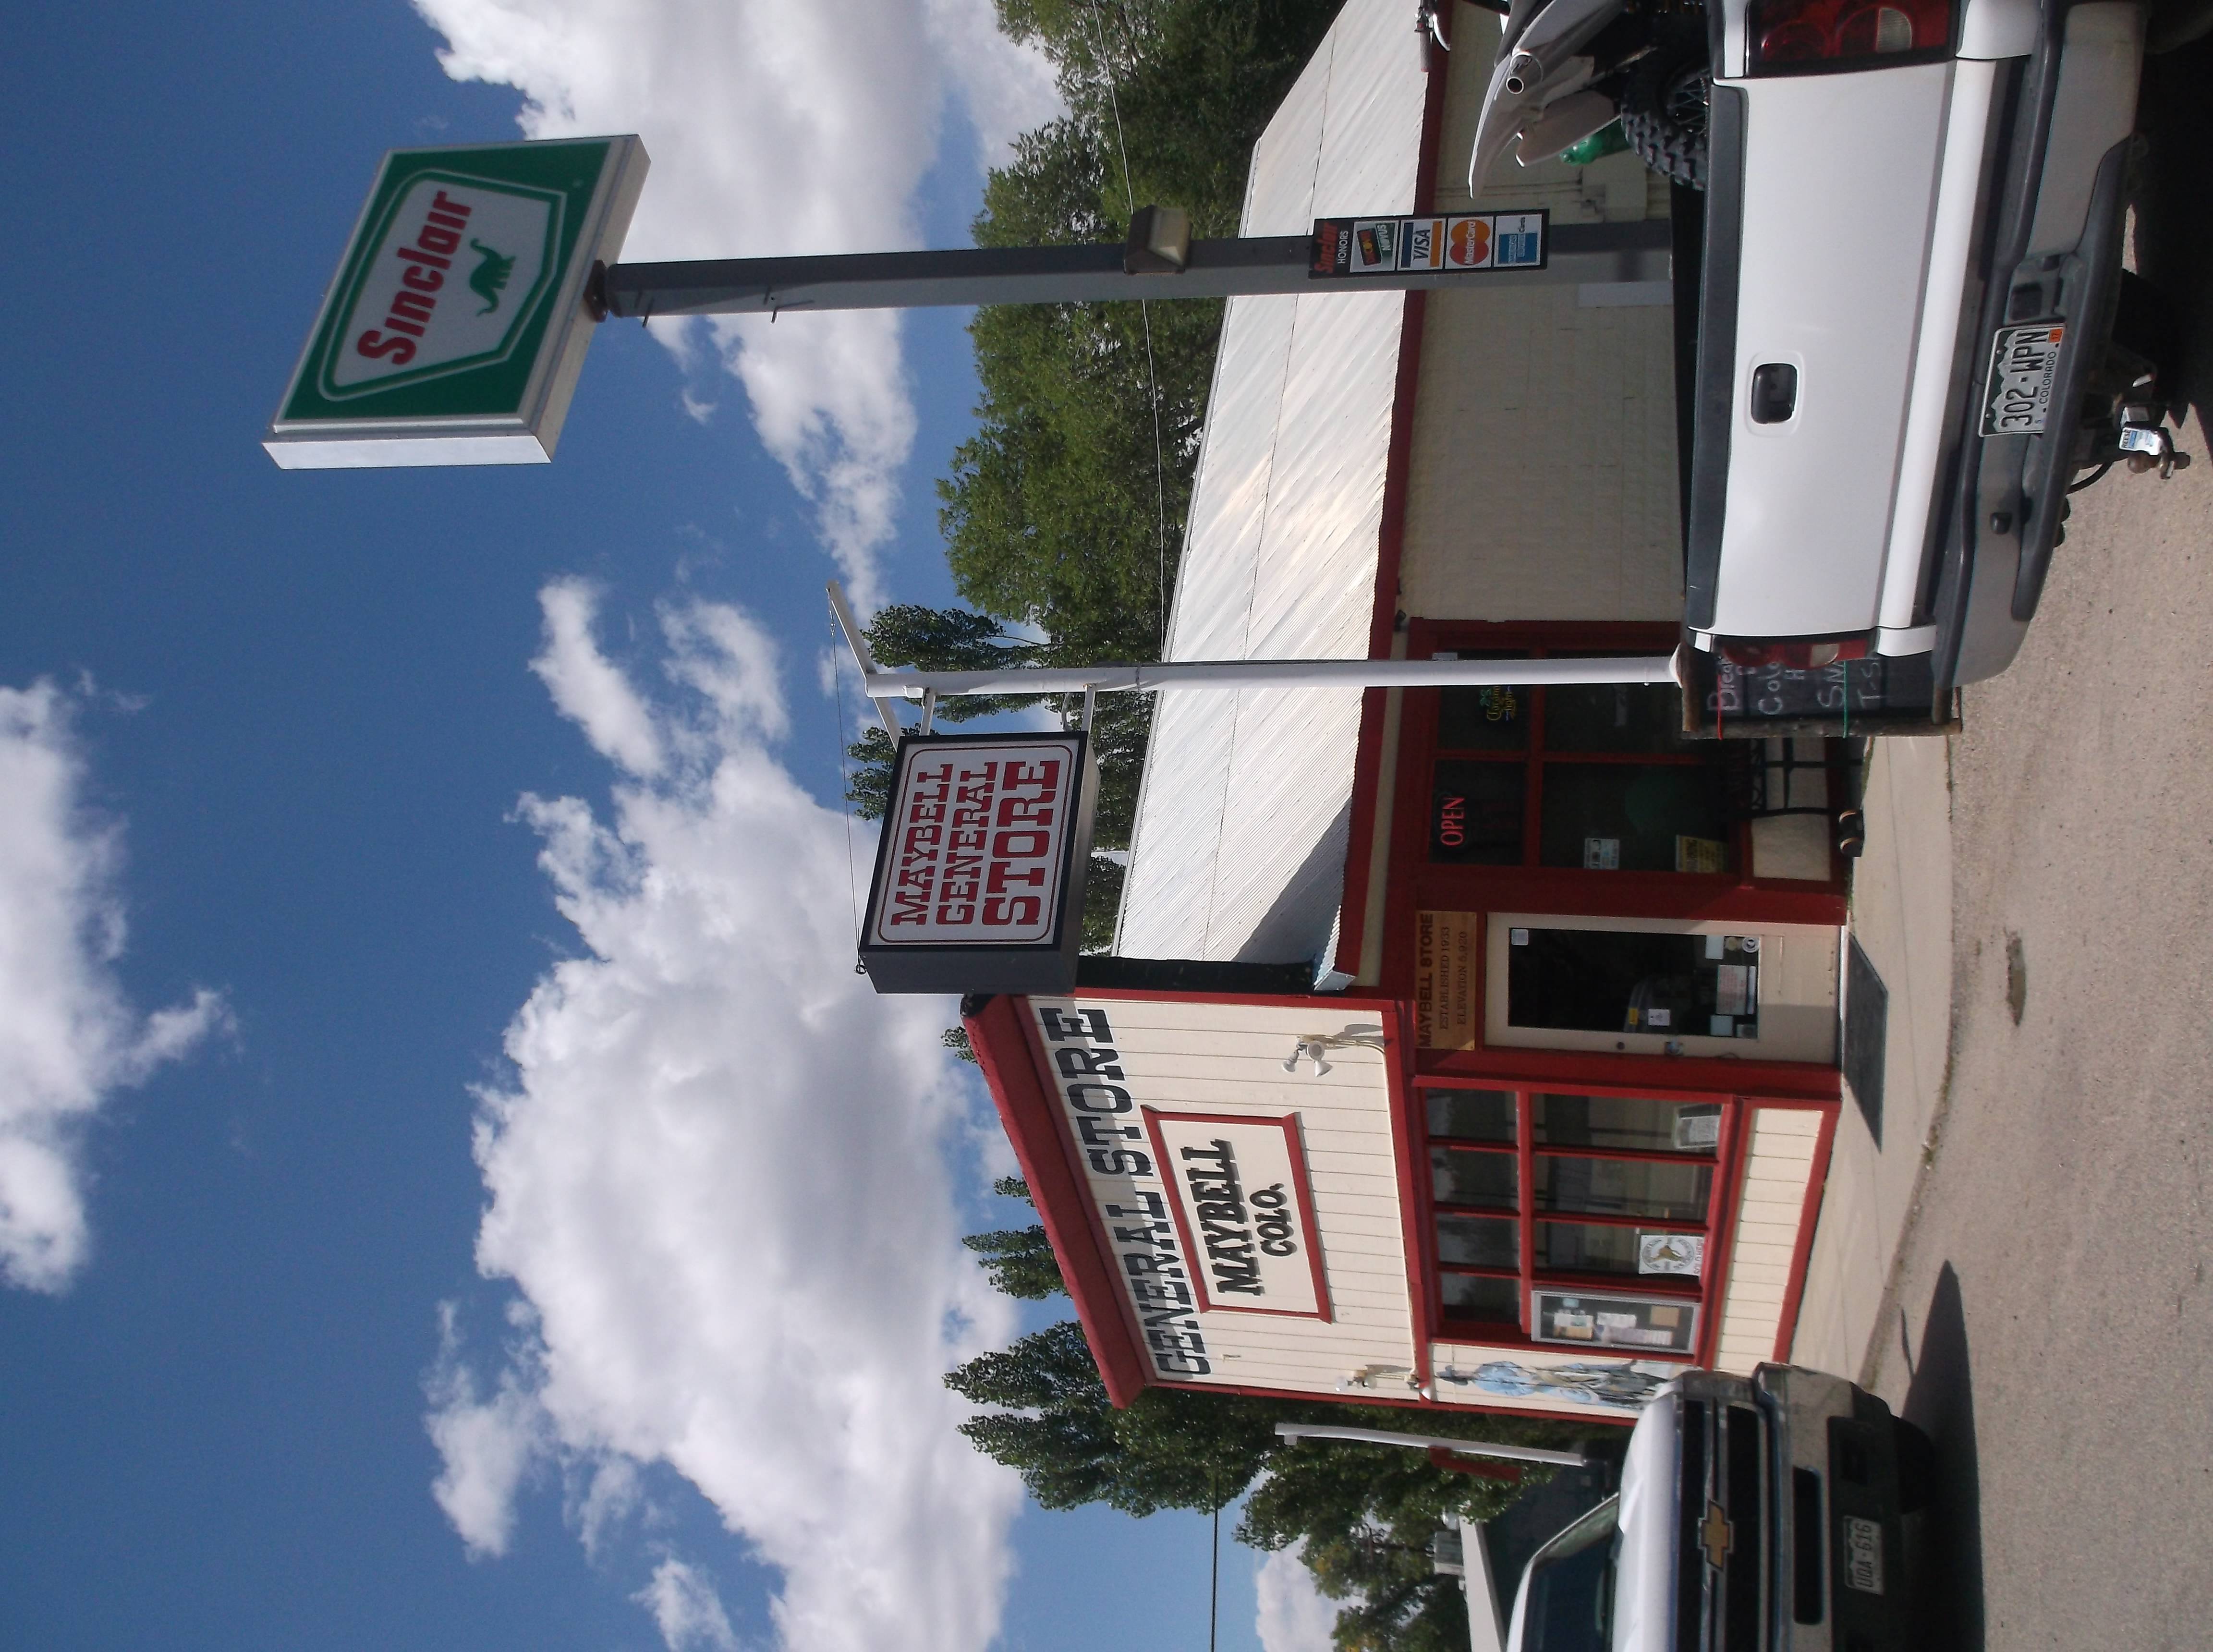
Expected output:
{"points": [[1430, 1442], [1656, 668], [856, 640]]}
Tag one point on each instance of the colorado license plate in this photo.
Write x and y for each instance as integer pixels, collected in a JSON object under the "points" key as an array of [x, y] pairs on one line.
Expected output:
{"points": [[2023, 362], [1864, 1554]]}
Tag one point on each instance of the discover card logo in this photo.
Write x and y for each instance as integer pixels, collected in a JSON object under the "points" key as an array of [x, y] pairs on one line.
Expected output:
{"points": [[453, 277]]}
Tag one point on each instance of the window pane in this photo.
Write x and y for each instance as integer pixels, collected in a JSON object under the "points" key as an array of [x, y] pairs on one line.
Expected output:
{"points": [[1623, 1187], [1487, 1180], [1624, 1121], [1482, 719], [1475, 815], [1629, 817], [1468, 1297], [1620, 718], [1478, 1241], [1585, 1248], [1472, 1115]]}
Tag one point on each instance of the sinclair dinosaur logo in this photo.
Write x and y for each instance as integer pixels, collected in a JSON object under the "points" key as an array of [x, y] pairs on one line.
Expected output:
{"points": [[450, 276]]}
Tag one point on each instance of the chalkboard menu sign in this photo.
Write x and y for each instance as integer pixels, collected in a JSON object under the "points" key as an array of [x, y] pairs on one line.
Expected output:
{"points": [[1874, 696]]}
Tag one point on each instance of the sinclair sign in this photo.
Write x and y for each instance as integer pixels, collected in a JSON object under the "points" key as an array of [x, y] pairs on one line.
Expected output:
{"points": [[455, 327], [979, 885]]}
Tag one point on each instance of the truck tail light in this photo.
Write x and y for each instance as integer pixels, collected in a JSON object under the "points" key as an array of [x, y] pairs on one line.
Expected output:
{"points": [[1795, 655], [1792, 36]]}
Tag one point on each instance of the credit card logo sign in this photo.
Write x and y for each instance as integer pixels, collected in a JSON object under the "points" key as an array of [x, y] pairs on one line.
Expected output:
{"points": [[1469, 245], [1465, 242]]}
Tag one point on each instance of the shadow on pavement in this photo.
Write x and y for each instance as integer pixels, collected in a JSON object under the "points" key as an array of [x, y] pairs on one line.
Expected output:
{"points": [[2174, 228], [1941, 1403]]}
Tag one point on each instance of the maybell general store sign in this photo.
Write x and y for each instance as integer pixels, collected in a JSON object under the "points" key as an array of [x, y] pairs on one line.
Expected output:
{"points": [[979, 885], [455, 327]]}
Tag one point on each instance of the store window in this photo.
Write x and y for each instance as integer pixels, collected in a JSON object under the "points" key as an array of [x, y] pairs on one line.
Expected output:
{"points": [[1572, 1219], [1597, 777]]}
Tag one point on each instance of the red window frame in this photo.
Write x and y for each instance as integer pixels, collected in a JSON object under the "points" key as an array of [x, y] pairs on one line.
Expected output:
{"points": [[1717, 1226], [1534, 757]]}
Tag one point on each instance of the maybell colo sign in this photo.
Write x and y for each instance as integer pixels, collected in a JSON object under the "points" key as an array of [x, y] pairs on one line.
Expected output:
{"points": [[979, 885], [455, 327]]}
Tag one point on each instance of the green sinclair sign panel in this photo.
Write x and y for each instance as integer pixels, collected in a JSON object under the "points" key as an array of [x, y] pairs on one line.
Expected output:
{"points": [[455, 328]]}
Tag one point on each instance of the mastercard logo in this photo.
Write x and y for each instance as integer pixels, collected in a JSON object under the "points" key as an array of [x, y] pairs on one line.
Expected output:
{"points": [[1470, 242]]}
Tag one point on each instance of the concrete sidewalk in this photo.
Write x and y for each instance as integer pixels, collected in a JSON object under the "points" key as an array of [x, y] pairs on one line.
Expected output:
{"points": [[1901, 917]]}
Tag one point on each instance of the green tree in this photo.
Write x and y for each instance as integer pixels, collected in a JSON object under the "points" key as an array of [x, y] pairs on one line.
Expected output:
{"points": [[1020, 1260]]}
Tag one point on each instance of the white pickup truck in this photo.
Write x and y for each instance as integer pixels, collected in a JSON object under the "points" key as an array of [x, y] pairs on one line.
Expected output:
{"points": [[1764, 1514], [1912, 326]]}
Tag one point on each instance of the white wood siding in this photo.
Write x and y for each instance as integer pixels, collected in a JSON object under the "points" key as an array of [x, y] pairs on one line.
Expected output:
{"points": [[1770, 1204], [1181, 1056]]}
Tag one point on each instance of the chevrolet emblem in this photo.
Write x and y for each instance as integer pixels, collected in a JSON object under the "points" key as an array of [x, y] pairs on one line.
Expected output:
{"points": [[1714, 1536]]}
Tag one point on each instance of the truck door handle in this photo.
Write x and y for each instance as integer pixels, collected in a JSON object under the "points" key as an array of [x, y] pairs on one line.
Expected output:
{"points": [[1774, 392]]}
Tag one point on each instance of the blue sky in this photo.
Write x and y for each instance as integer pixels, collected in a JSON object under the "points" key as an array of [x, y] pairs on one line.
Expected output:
{"points": [[452, 1191]]}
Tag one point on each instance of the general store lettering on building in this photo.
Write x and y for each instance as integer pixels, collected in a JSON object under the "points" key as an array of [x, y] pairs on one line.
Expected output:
{"points": [[1126, 1183]]}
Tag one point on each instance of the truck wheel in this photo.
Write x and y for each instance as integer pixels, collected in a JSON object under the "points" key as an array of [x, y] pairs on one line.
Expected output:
{"points": [[1917, 1466], [1663, 108]]}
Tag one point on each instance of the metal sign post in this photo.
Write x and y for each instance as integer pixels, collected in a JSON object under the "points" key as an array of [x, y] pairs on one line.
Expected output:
{"points": [[455, 328]]}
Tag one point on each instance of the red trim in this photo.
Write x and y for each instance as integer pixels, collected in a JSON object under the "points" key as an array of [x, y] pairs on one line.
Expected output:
{"points": [[1456, 1463], [1360, 842], [1731, 1156], [1809, 1215], [1410, 1153], [1322, 1001], [1005, 1043], [1800, 1083], [1193, 1250]]}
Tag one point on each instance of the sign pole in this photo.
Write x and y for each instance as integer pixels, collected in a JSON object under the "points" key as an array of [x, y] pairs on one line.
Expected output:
{"points": [[1570, 253]]}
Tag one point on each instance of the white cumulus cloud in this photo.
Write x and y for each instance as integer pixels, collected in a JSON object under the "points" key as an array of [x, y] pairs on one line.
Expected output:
{"points": [[774, 127], [718, 1179], [687, 1609], [69, 1037], [1292, 1617]]}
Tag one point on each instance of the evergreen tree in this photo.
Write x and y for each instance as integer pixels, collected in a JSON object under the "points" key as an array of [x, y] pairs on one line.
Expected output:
{"points": [[1366, 1514]]}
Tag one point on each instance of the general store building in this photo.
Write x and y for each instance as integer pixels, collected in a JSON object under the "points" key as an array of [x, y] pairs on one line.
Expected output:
{"points": [[1463, 1047]]}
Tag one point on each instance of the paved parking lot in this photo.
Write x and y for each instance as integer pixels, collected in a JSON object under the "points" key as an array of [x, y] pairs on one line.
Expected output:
{"points": [[2041, 1188]]}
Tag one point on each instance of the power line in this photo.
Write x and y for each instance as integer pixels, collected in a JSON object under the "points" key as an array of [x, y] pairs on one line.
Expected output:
{"points": [[1145, 315]]}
